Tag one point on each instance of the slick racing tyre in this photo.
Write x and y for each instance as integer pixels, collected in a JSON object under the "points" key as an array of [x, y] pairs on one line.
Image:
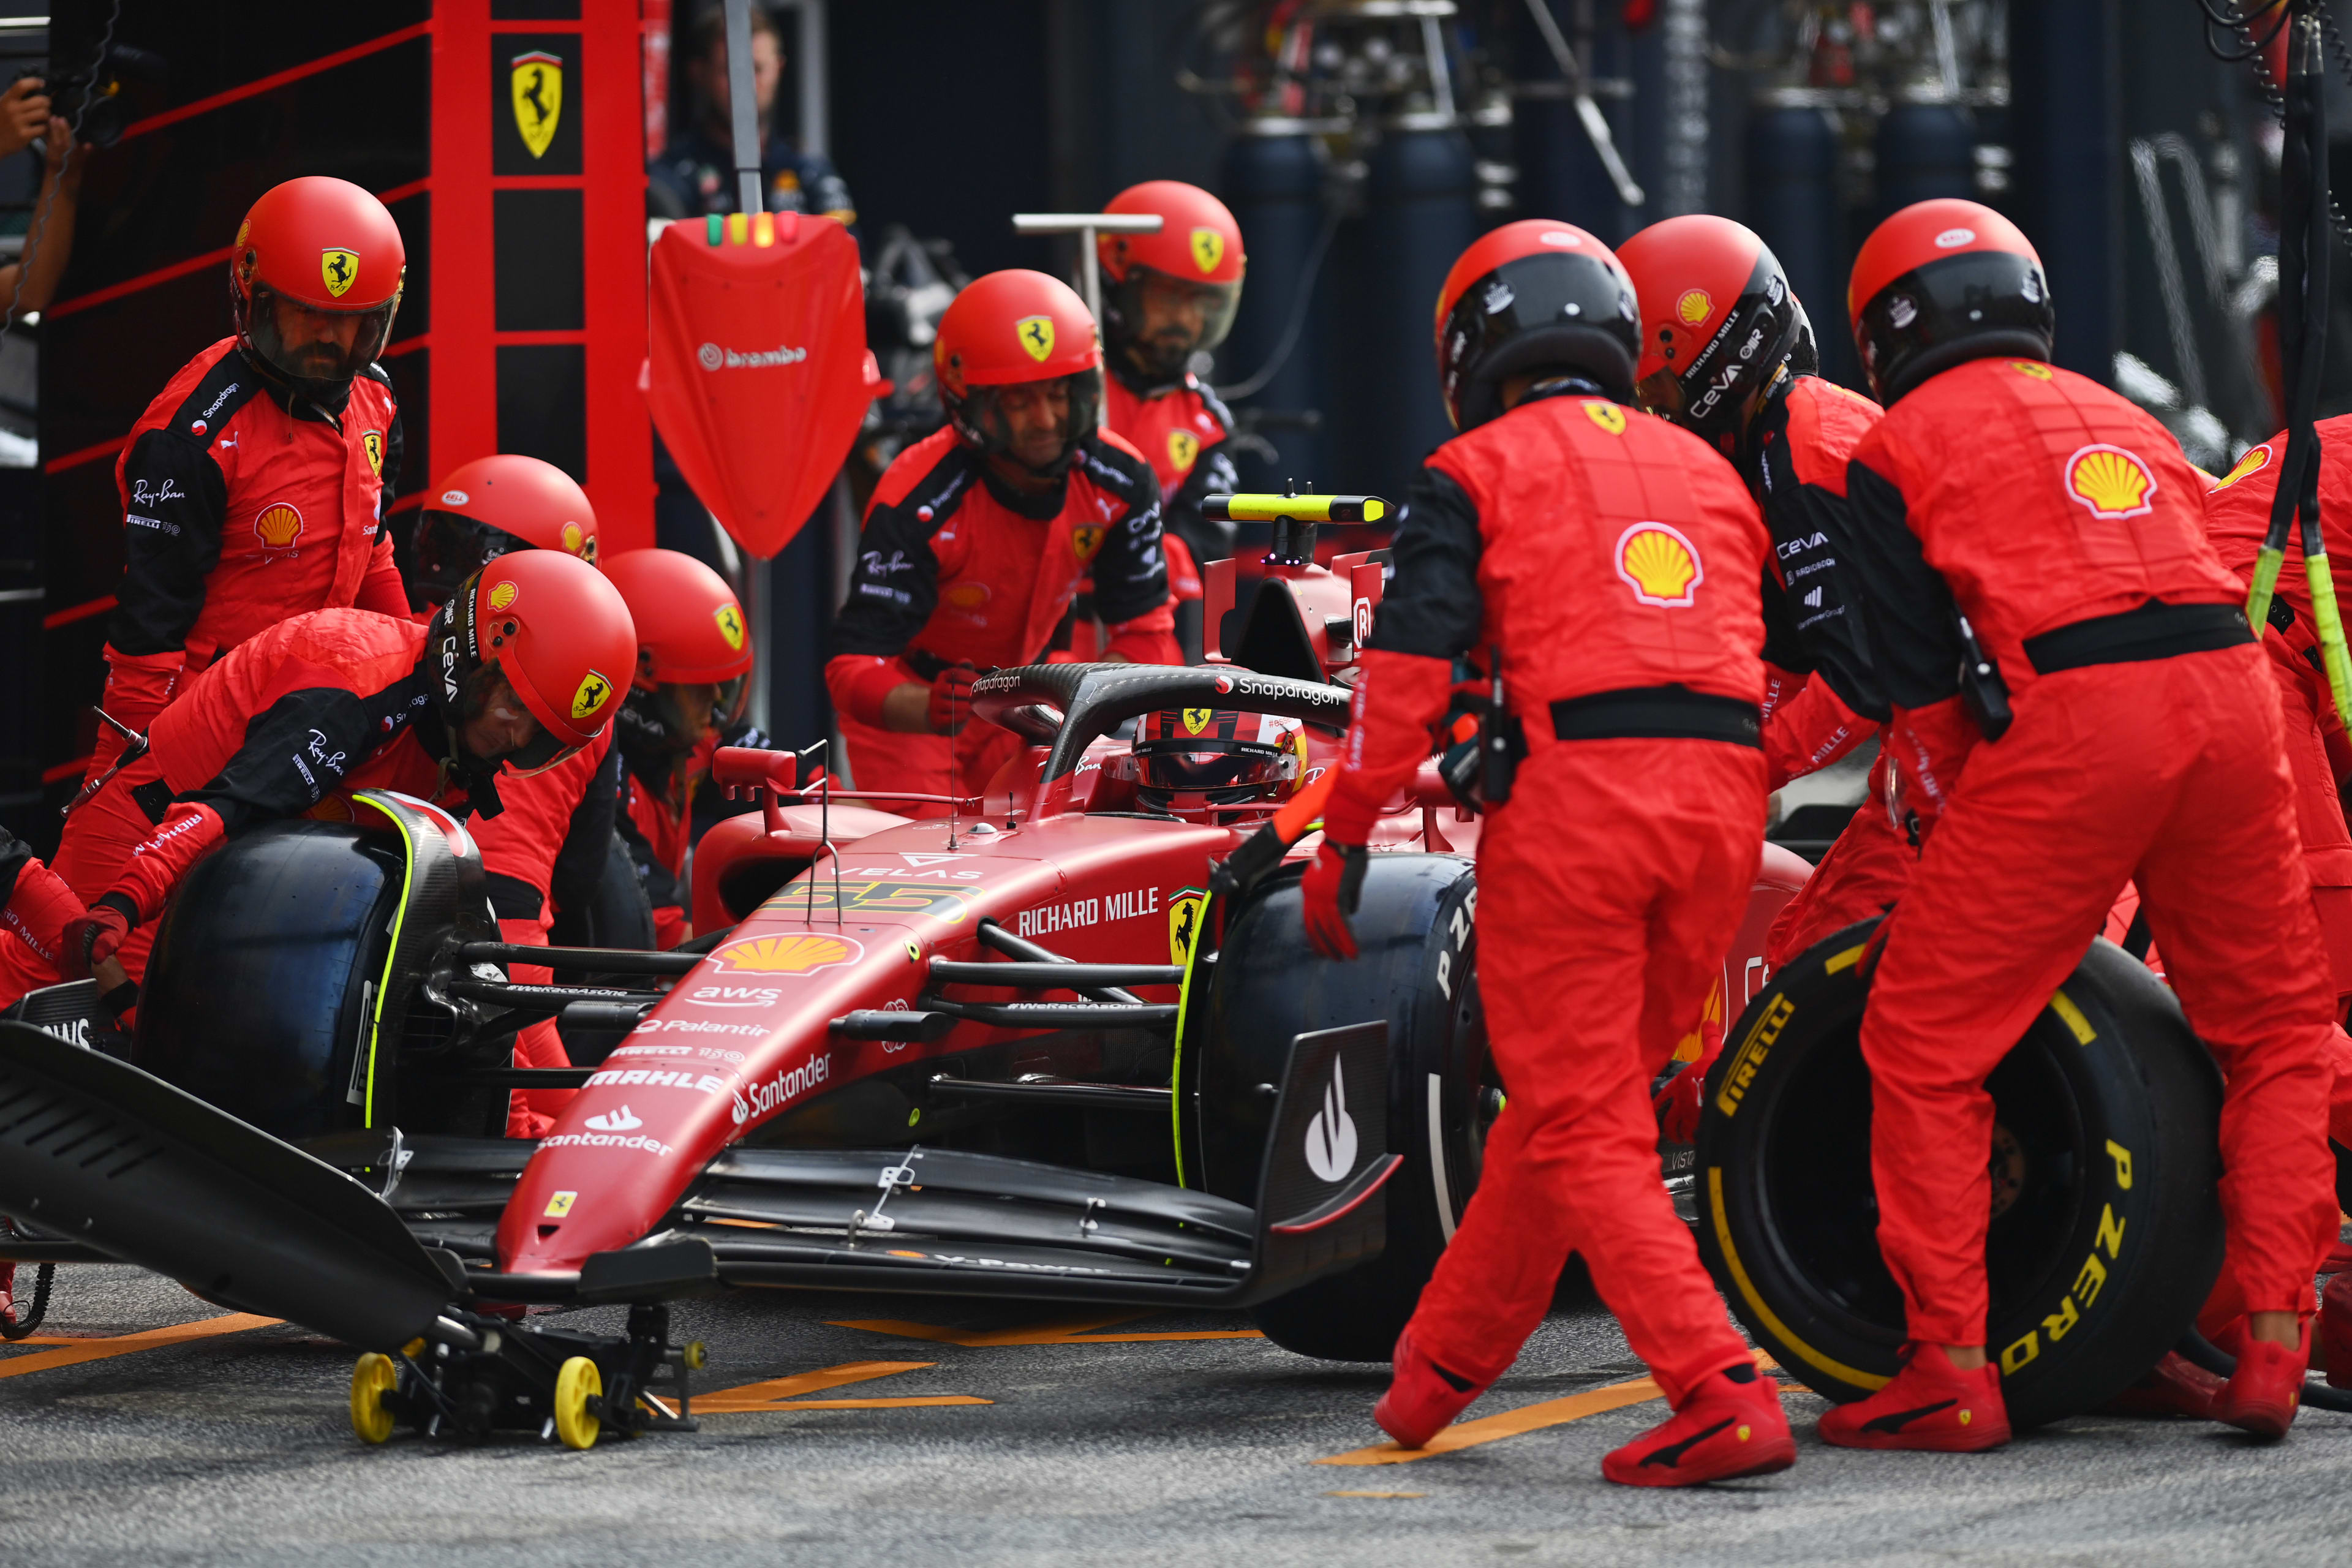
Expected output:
{"points": [[2105, 1233], [1416, 933]]}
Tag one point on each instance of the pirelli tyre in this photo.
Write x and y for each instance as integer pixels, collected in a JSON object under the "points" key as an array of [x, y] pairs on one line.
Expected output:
{"points": [[2106, 1234], [1416, 934]]}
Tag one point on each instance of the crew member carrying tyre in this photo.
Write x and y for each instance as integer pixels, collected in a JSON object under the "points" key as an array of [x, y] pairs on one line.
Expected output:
{"points": [[252, 485], [524, 668], [549, 847], [686, 689], [1166, 298], [978, 536], [1727, 354], [2016, 524], [1613, 562]]}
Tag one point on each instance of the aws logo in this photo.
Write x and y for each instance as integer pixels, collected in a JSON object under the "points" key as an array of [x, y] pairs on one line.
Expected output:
{"points": [[794, 954]]}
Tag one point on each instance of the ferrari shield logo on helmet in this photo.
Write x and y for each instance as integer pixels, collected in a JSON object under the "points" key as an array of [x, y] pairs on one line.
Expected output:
{"points": [[731, 626], [1036, 335], [1085, 540], [537, 79], [1660, 565], [372, 443], [593, 689], [1197, 720], [340, 268], [1182, 448], [2112, 482], [1208, 249]]}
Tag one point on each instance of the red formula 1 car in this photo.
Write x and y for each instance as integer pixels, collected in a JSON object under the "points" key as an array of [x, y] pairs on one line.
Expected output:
{"points": [[1056, 1046]]}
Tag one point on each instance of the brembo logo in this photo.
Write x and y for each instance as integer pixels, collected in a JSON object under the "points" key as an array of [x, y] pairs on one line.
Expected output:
{"points": [[1331, 1134], [781, 1089], [712, 357]]}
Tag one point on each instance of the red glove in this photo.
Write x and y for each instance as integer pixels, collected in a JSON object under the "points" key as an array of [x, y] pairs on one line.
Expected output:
{"points": [[91, 938], [951, 698], [1334, 888], [1679, 1103]]}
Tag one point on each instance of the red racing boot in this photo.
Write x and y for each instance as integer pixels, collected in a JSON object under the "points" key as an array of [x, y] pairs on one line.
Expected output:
{"points": [[2174, 1386], [1931, 1404], [2335, 1329], [2267, 1388], [1425, 1397], [1726, 1428]]}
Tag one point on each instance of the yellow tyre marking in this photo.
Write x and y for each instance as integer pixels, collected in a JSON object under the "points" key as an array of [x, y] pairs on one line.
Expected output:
{"points": [[1771, 1319], [1846, 959], [2072, 1016], [777, 1393], [74, 1353], [1061, 1331]]}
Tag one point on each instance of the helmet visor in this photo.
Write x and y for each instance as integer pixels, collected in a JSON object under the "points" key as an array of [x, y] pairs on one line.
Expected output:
{"points": [[1211, 765], [1036, 423], [1161, 321], [308, 343]]}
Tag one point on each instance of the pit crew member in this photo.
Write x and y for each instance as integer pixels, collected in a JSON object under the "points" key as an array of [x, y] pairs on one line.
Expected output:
{"points": [[35, 905], [688, 685], [978, 536], [520, 670], [1727, 354], [1613, 562], [694, 175], [2005, 502], [252, 486], [1166, 298], [549, 847]]}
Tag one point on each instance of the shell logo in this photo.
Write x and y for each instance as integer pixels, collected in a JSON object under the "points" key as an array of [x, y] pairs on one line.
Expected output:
{"points": [[1660, 565], [1606, 414], [574, 538], [967, 595], [277, 526], [2111, 482], [788, 955], [2256, 459], [502, 594], [1694, 307]]}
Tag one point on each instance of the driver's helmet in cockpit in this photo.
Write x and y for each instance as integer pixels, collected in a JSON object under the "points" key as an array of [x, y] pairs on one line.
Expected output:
{"points": [[1187, 760]]}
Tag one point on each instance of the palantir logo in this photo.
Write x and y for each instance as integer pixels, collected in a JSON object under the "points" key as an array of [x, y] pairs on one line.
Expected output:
{"points": [[1331, 1135], [621, 1120]]}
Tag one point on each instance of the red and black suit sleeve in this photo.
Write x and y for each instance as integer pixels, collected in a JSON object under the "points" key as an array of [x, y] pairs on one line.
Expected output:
{"points": [[1812, 623], [1131, 570], [175, 505], [894, 585], [1913, 625], [1213, 474]]}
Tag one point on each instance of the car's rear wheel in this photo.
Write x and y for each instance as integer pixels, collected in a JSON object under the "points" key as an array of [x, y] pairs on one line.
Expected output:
{"points": [[1416, 933], [2106, 1234]]}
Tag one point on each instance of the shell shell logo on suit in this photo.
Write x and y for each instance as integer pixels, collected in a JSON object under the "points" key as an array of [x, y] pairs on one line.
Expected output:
{"points": [[2112, 482], [2256, 459], [787, 955], [1660, 565], [277, 526]]}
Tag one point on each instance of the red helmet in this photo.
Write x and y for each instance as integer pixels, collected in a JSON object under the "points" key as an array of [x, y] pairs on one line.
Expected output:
{"points": [[1941, 283], [1719, 322], [314, 281], [1009, 329], [492, 505], [559, 634], [1532, 295], [690, 632], [1188, 276], [1186, 760]]}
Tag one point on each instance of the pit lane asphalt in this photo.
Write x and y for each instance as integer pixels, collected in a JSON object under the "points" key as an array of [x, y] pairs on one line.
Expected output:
{"points": [[234, 1447]]}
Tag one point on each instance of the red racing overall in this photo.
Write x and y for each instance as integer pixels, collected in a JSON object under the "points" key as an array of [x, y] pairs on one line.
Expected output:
{"points": [[35, 905], [953, 566], [1181, 429], [1614, 560], [241, 505], [316, 706], [2068, 529]]}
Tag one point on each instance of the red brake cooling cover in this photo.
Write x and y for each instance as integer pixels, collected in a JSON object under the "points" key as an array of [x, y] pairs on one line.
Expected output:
{"points": [[758, 375]]}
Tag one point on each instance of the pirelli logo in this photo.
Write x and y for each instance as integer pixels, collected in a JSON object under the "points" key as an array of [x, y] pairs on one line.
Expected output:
{"points": [[1753, 1048]]}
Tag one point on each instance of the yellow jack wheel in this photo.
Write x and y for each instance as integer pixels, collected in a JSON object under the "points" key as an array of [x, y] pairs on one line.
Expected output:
{"points": [[371, 1379], [577, 1381], [694, 1356]]}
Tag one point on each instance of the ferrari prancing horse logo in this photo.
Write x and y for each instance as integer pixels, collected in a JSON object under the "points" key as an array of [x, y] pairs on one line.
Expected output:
{"points": [[1085, 540], [731, 626], [1036, 335], [1208, 249], [1197, 720], [340, 268], [1182, 448], [372, 443], [593, 689], [537, 79]]}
